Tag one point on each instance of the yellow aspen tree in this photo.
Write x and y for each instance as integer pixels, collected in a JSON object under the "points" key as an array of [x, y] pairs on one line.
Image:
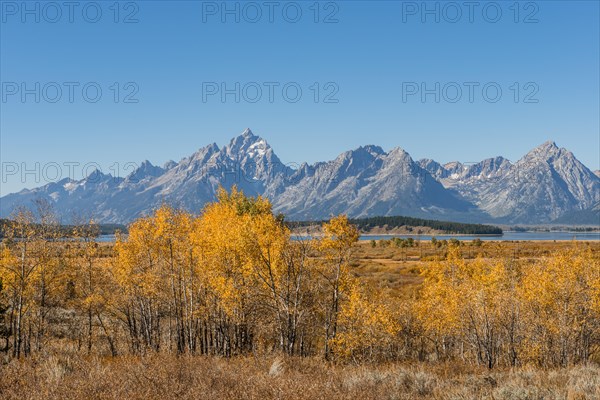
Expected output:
{"points": [[439, 302], [18, 268], [258, 278], [176, 260], [368, 327], [282, 274], [139, 275], [48, 274], [559, 298], [474, 304], [482, 310], [339, 238], [92, 285], [222, 248], [10, 292]]}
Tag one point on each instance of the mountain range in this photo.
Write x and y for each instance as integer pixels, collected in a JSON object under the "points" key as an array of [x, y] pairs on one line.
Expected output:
{"points": [[546, 185]]}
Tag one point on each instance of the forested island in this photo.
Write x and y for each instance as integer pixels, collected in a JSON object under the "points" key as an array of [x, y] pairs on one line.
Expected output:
{"points": [[411, 225]]}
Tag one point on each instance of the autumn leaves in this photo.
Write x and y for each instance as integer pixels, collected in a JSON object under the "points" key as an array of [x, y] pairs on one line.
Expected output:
{"points": [[503, 312], [233, 281]]}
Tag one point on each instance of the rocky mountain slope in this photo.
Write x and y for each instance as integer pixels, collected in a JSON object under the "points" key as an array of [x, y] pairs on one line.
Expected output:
{"points": [[546, 184]]}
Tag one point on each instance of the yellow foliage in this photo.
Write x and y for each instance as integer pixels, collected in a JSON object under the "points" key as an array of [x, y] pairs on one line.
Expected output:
{"points": [[368, 325], [232, 280]]}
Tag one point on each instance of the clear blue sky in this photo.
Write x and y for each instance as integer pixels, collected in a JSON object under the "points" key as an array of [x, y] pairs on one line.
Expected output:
{"points": [[370, 54]]}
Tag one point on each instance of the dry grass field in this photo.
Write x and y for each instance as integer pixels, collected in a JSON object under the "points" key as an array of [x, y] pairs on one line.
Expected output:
{"points": [[170, 377], [399, 269]]}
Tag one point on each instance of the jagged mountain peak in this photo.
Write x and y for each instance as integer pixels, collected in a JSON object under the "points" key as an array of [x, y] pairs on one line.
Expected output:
{"points": [[367, 181], [433, 167], [96, 176], [457, 172], [247, 144], [168, 165], [546, 151], [247, 132], [368, 152], [559, 159], [201, 156], [488, 168], [428, 161], [373, 150], [548, 144], [147, 166], [546, 183], [399, 154], [493, 162], [144, 171], [453, 165]]}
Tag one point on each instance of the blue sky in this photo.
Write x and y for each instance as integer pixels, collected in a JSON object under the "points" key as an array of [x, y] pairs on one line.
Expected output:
{"points": [[369, 60]]}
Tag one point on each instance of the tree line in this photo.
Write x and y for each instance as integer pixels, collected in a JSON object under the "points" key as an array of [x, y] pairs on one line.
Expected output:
{"points": [[233, 281], [365, 224], [67, 231]]}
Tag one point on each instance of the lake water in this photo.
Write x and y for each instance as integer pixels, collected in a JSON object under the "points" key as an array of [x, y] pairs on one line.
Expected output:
{"points": [[514, 236]]}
